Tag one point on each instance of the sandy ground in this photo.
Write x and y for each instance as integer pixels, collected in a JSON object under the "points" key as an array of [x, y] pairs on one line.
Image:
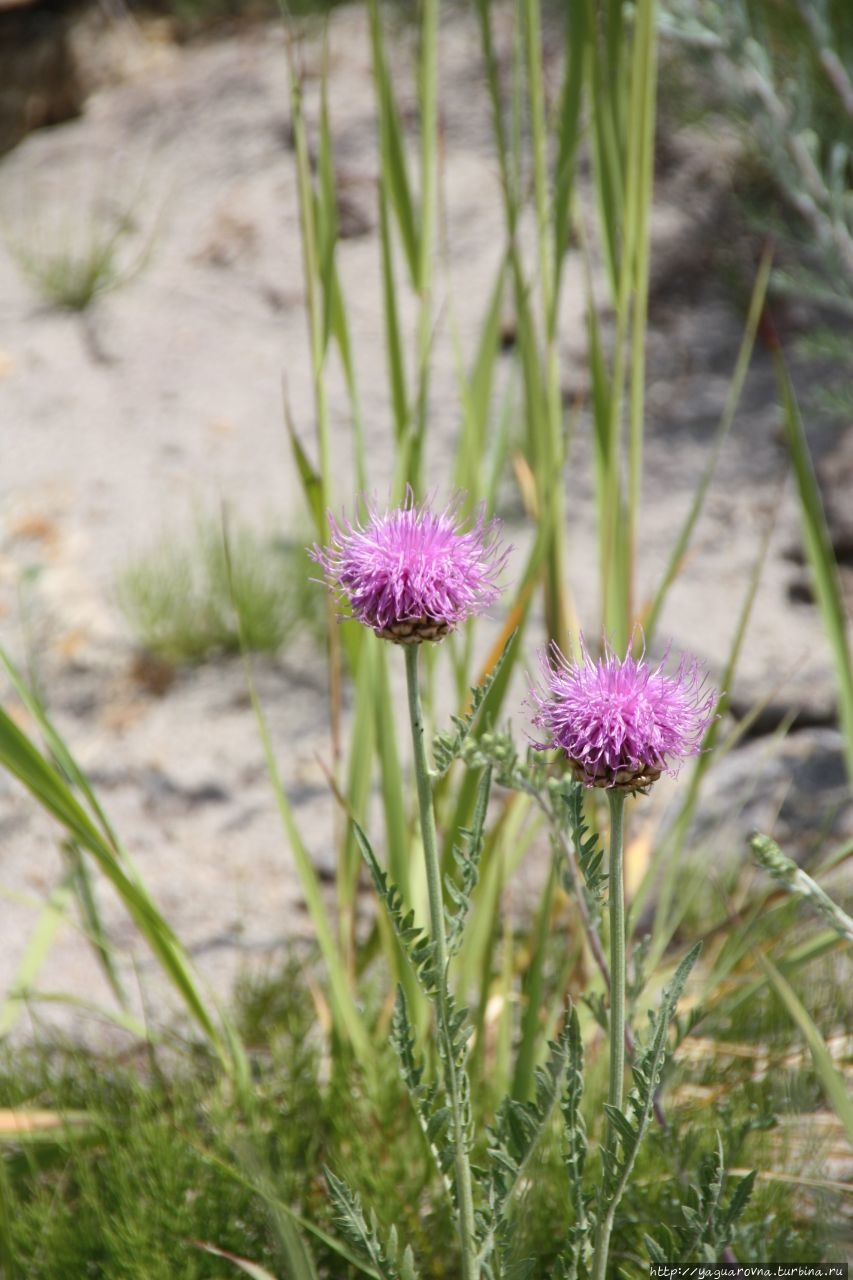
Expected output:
{"points": [[167, 400]]}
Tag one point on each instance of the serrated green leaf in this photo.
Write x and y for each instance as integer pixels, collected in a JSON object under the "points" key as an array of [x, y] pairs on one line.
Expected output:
{"points": [[656, 1254], [522, 1269], [407, 1270], [416, 944], [647, 1071], [447, 747], [622, 1125], [365, 1234], [739, 1200], [516, 1133]]}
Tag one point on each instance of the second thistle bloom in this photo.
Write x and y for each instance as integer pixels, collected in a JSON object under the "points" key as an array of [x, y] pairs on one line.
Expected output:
{"points": [[411, 573], [621, 721]]}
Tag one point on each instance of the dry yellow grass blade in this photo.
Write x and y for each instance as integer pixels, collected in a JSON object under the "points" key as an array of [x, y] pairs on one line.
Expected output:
{"points": [[17, 1124]]}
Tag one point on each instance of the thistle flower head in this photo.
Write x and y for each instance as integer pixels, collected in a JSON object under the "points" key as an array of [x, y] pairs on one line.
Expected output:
{"points": [[413, 574], [620, 721]]}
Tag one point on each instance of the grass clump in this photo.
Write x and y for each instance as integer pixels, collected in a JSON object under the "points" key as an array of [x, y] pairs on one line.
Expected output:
{"points": [[187, 601], [174, 1159], [71, 265], [128, 1203]]}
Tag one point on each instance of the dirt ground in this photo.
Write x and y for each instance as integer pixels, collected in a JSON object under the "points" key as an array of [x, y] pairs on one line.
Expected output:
{"points": [[166, 399]]}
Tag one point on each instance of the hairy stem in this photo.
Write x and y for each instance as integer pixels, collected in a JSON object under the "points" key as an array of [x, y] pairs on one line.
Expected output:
{"points": [[616, 899], [464, 1193], [592, 935]]}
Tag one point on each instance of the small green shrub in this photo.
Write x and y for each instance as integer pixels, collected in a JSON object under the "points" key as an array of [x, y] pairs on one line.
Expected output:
{"points": [[184, 604], [73, 261]]}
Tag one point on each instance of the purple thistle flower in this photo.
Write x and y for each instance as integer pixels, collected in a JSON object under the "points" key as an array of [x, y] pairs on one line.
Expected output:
{"points": [[620, 721], [412, 574]]}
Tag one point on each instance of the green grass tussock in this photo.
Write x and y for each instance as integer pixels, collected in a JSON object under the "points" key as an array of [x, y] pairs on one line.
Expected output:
{"points": [[173, 1157], [184, 604]]}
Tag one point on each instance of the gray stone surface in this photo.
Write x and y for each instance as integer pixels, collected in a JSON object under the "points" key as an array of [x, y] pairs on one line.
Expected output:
{"points": [[167, 400]]}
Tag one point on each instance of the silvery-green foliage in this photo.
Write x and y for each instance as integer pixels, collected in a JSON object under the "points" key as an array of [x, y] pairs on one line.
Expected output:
{"points": [[637, 971], [467, 859], [449, 746], [596, 1002], [796, 881], [568, 802], [428, 1099], [562, 801], [708, 1222], [579, 1241], [519, 1125], [629, 1124], [431, 1103], [513, 1138], [523, 1269], [364, 1233], [529, 775], [813, 172], [416, 944], [454, 1047]]}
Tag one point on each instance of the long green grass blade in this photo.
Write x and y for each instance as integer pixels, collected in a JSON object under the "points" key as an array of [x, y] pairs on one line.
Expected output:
{"points": [[52, 917], [399, 841], [604, 77], [830, 1078], [43, 781], [476, 396], [393, 330], [531, 1021], [326, 207], [251, 1174], [394, 183], [568, 136], [669, 851], [313, 275], [359, 777], [820, 555], [309, 477], [641, 178], [676, 559], [538, 145], [343, 1001], [124, 1021], [502, 140], [81, 882], [56, 746], [722, 994]]}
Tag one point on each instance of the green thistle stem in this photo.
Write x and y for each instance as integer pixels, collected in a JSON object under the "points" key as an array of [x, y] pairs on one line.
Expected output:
{"points": [[616, 902], [464, 1192]]}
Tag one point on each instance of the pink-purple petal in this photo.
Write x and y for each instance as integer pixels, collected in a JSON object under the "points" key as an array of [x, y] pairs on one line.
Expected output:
{"points": [[621, 721], [413, 570]]}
